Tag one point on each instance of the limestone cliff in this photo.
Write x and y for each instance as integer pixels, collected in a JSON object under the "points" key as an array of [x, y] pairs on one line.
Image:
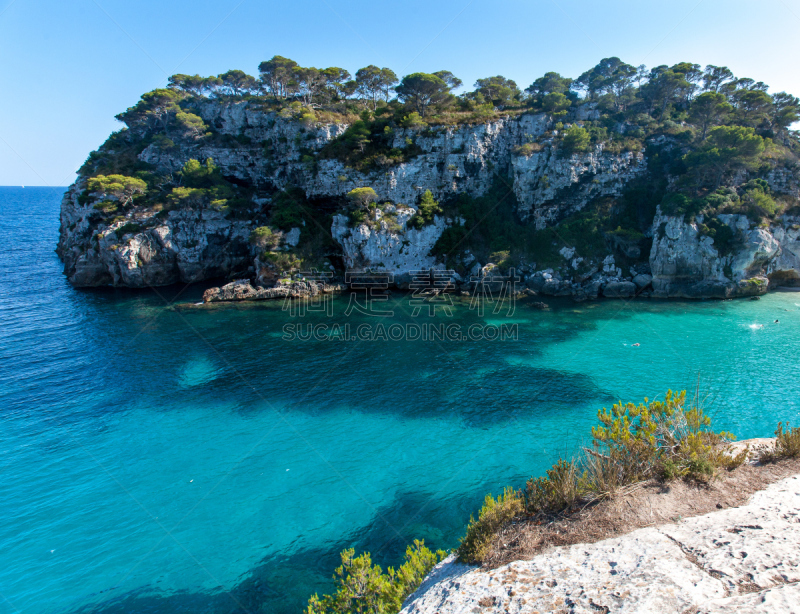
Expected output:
{"points": [[685, 263], [265, 152]]}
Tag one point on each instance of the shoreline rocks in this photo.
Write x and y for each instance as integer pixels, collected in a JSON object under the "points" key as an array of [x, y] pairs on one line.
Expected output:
{"points": [[242, 290]]}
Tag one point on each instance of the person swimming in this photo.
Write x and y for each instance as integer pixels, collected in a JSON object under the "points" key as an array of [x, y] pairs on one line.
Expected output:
{"points": [[777, 321]]}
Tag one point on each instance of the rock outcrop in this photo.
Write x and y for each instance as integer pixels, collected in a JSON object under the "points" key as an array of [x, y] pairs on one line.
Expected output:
{"points": [[388, 243], [744, 559], [242, 290], [549, 187], [685, 263], [182, 246]]}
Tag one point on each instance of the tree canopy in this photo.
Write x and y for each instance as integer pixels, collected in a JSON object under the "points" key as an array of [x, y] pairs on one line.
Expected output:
{"points": [[499, 90], [421, 90]]}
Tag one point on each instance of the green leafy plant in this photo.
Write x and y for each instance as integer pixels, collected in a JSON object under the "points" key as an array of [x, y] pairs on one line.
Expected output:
{"points": [[576, 139], [426, 211], [363, 588], [558, 490], [477, 542], [361, 197], [787, 444], [129, 228], [123, 188], [264, 237], [660, 439]]}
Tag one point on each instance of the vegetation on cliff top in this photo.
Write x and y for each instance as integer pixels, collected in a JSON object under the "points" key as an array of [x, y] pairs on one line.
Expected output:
{"points": [[363, 588]]}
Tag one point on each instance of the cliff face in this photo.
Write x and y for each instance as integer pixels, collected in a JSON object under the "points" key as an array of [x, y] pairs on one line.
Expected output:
{"points": [[389, 245], [548, 187], [685, 263], [268, 152], [186, 245]]}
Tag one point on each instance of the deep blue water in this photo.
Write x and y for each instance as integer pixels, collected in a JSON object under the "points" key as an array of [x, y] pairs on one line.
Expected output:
{"points": [[163, 460]]}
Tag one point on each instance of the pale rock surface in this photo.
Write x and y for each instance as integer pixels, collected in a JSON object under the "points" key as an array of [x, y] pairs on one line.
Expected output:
{"points": [[185, 246], [242, 290], [743, 560], [388, 243], [549, 187], [685, 263]]}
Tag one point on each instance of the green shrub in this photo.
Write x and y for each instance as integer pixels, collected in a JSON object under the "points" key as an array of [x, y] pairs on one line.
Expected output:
{"points": [[106, 206], [722, 235], [263, 237], [361, 197], [758, 201], [163, 142], [528, 149], [357, 216], [129, 228], [476, 544], [628, 234], [558, 491], [787, 444], [451, 242], [576, 139], [283, 261], [678, 204], [426, 211], [197, 175], [289, 209], [123, 188], [363, 588], [640, 438], [413, 120], [632, 443]]}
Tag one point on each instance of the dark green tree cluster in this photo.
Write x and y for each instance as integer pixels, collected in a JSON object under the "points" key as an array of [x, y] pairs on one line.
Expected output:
{"points": [[683, 92]]}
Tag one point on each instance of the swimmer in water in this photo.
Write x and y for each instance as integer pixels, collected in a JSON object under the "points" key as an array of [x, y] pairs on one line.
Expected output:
{"points": [[777, 321], [636, 345]]}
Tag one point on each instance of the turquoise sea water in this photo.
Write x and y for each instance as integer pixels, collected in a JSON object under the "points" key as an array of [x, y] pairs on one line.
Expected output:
{"points": [[161, 460]]}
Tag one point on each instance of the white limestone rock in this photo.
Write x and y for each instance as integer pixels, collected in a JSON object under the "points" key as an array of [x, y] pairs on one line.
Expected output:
{"points": [[685, 263], [697, 565], [549, 186], [389, 244]]}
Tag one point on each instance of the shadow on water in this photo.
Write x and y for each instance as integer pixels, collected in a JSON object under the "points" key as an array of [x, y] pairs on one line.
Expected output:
{"points": [[281, 584], [412, 379]]}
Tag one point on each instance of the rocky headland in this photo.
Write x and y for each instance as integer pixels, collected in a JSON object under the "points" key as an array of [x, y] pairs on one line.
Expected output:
{"points": [[635, 210]]}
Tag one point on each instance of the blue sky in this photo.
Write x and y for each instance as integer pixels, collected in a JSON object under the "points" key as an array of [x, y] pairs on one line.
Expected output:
{"points": [[68, 66]]}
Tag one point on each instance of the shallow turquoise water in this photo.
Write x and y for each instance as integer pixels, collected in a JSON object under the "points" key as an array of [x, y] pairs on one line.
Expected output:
{"points": [[191, 460]]}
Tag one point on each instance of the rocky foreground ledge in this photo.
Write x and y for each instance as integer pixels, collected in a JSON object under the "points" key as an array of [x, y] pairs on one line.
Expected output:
{"points": [[742, 559]]}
